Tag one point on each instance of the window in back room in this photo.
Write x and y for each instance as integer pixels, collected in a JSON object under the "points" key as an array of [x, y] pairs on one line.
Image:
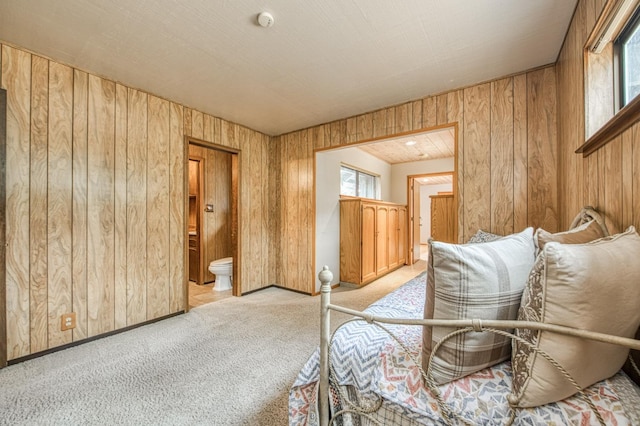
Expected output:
{"points": [[628, 48], [357, 183]]}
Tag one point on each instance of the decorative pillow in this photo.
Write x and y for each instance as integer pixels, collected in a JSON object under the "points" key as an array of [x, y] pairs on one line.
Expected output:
{"points": [[593, 286], [474, 281], [584, 233], [483, 237]]}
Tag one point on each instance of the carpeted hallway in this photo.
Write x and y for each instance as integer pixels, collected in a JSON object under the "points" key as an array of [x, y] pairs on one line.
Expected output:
{"points": [[226, 363]]}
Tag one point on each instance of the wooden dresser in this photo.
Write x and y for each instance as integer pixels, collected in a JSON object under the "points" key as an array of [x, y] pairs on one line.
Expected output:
{"points": [[442, 218], [373, 239]]}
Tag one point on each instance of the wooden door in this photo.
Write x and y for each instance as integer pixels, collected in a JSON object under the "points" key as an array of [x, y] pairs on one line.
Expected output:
{"points": [[368, 242], [442, 218], [402, 235], [415, 222], [393, 230], [382, 239]]}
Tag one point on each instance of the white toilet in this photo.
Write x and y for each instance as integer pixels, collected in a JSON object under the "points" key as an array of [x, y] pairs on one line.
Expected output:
{"points": [[223, 269]]}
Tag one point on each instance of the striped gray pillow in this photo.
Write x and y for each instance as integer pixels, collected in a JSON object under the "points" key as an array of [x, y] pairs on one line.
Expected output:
{"points": [[474, 281]]}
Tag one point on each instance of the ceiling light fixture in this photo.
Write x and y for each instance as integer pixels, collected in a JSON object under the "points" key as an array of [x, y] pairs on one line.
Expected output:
{"points": [[265, 19], [409, 143]]}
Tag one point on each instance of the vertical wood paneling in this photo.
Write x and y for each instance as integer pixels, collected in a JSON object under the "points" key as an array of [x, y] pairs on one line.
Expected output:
{"points": [[318, 135], [416, 115], [520, 155], [207, 128], [120, 207], [176, 217], [502, 158], [429, 112], [455, 114], [16, 78], [79, 222], [352, 130], [265, 193], [100, 201], [137, 207], [38, 204], [612, 155], [627, 179], [255, 206], [275, 206], [246, 205], [542, 149], [365, 126], [305, 212], [338, 133], [158, 208], [60, 200], [477, 155], [379, 123], [441, 109], [187, 122], [403, 118], [197, 124]]}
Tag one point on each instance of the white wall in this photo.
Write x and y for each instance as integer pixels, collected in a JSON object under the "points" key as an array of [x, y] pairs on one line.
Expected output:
{"points": [[425, 207], [328, 196]]}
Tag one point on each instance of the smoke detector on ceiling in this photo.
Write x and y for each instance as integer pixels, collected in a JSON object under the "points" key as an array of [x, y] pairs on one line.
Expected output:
{"points": [[265, 19]]}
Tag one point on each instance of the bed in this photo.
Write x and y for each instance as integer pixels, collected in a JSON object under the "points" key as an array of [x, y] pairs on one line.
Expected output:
{"points": [[370, 370]]}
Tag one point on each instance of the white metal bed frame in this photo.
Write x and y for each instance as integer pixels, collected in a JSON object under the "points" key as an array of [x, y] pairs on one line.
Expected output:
{"points": [[463, 326]]}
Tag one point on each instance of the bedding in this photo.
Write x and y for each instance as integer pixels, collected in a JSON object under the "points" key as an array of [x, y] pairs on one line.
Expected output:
{"points": [[371, 366]]}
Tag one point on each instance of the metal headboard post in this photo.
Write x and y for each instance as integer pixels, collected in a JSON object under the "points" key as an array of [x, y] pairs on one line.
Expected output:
{"points": [[325, 277]]}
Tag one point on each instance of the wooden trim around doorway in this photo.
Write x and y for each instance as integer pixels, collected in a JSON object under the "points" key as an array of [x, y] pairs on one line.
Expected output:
{"points": [[235, 213], [3, 209]]}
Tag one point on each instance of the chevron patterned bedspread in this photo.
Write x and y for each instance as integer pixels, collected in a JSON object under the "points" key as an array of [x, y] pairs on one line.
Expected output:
{"points": [[366, 359]]}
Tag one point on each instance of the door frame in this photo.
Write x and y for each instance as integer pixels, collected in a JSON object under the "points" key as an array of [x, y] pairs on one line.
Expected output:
{"points": [[201, 166], [453, 125], [411, 181], [3, 211], [235, 213]]}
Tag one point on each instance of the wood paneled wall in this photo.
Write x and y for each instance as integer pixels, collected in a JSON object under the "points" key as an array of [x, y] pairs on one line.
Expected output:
{"points": [[95, 202], [216, 225], [507, 161], [608, 179], [256, 184]]}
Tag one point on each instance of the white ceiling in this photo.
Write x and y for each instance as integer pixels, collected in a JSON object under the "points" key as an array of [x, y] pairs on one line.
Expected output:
{"points": [[322, 60]]}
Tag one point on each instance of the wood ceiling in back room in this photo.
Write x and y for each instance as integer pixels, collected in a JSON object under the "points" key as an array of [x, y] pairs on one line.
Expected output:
{"points": [[322, 60], [431, 145]]}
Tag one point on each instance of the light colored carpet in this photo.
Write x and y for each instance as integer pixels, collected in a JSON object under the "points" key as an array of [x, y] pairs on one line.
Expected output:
{"points": [[231, 362]]}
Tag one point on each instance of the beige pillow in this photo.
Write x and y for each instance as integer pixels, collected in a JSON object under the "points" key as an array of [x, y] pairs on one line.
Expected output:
{"points": [[584, 233], [593, 286], [470, 281]]}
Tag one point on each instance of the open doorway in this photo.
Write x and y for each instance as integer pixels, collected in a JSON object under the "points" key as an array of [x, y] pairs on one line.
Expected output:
{"points": [[431, 199], [393, 159], [212, 223]]}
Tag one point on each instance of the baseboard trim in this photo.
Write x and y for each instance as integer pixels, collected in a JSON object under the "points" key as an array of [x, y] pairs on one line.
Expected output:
{"points": [[89, 339]]}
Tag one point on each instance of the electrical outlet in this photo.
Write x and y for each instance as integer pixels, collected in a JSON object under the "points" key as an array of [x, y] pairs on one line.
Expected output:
{"points": [[67, 321]]}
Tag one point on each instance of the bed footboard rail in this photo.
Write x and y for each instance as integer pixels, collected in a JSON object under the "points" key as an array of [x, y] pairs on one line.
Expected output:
{"points": [[325, 277]]}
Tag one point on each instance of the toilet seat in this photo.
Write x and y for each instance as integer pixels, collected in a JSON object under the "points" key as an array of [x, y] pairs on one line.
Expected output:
{"points": [[223, 261]]}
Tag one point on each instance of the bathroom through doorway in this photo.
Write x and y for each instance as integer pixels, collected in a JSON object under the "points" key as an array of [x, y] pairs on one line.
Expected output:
{"points": [[212, 223]]}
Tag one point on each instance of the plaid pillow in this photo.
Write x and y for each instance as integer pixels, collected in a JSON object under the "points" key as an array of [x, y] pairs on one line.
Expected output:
{"points": [[474, 281]]}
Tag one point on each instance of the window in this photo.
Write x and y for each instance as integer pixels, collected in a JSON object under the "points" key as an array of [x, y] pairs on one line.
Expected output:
{"points": [[357, 183], [628, 47]]}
